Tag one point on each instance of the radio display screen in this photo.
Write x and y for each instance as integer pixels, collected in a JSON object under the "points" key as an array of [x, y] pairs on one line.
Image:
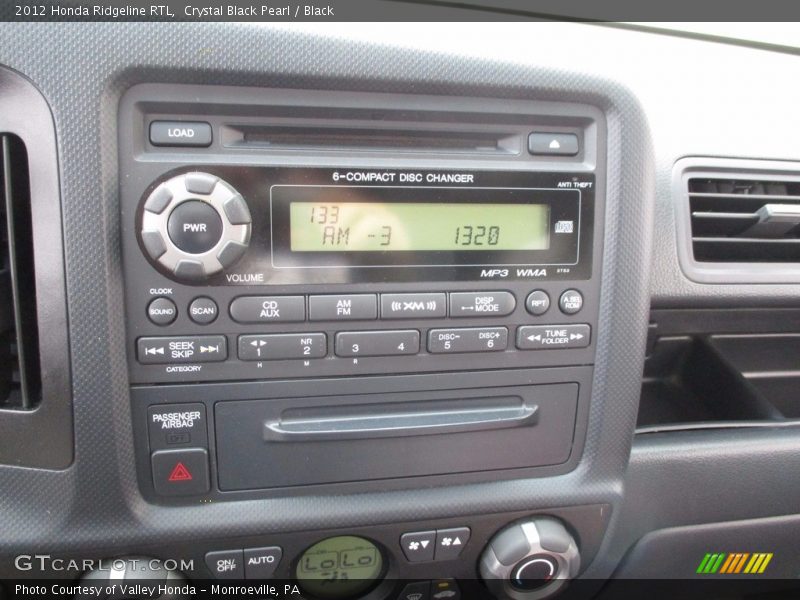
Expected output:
{"points": [[393, 226], [417, 226]]}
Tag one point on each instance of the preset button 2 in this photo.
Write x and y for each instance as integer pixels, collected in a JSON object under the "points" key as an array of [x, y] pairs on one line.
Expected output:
{"points": [[282, 346]]}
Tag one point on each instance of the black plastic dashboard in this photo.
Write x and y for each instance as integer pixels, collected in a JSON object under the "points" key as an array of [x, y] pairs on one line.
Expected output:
{"points": [[580, 462]]}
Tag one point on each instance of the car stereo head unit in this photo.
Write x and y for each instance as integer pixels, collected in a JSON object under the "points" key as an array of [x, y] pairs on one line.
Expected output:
{"points": [[268, 225]]}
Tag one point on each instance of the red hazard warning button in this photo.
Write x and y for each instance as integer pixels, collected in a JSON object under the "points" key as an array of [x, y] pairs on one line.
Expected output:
{"points": [[180, 472]]}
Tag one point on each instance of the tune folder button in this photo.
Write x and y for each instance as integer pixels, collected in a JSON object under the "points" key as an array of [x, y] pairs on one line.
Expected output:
{"points": [[553, 337]]}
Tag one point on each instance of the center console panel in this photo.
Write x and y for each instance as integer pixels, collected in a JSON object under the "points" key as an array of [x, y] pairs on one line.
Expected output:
{"points": [[329, 291]]}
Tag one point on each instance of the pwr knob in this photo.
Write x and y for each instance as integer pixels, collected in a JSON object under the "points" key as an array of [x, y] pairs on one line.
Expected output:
{"points": [[195, 225], [530, 559]]}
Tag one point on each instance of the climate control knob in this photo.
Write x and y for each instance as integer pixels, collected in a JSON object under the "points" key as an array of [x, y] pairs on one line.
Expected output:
{"points": [[530, 559], [195, 225]]}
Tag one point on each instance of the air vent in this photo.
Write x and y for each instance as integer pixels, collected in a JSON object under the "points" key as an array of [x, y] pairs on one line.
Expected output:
{"points": [[738, 220], [745, 220], [20, 383]]}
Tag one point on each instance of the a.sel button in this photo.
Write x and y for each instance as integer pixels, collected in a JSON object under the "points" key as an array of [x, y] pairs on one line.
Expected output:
{"points": [[268, 309], [481, 304], [552, 337], [377, 343], [412, 306], [182, 349], [477, 339], [282, 346]]}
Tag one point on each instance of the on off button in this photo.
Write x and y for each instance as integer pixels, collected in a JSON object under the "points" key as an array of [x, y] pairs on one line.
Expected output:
{"points": [[195, 227]]}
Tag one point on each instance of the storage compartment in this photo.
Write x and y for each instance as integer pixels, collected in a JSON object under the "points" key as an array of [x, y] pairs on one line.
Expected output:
{"points": [[711, 368], [770, 364], [276, 443]]}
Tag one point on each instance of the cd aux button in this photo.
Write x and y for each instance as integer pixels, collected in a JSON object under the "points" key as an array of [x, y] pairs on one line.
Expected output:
{"points": [[413, 306], [481, 304], [268, 309], [473, 339]]}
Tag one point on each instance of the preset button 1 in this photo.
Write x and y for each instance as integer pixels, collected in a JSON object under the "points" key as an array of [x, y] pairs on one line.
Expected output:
{"points": [[472, 339], [282, 346]]}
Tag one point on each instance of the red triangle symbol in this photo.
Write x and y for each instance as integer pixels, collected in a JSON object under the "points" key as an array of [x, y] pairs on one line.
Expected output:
{"points": [[180, 473]]}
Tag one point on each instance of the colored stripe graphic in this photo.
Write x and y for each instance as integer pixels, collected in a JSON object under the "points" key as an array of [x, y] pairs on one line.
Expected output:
{"points": [[723, 563], [729, 563]]}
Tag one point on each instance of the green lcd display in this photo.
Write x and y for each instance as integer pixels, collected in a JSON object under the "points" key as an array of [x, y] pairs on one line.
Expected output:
{"points": [[417, 226], [339, 567]]}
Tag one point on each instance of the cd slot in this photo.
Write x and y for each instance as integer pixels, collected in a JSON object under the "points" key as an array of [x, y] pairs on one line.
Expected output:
{"points": [[345, 139]]}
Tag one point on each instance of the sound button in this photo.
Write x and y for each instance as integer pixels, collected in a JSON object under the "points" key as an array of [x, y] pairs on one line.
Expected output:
{"points": [[195, 227]]}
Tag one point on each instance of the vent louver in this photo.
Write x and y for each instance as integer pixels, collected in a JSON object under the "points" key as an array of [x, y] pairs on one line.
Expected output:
{"points": [[20, 384], [743, 220]]}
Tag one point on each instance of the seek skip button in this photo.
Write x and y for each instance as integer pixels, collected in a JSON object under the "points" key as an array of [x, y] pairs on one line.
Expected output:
{"points": [[481, 304]]}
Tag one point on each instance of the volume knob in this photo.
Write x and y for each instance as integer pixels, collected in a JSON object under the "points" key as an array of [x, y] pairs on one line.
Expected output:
{"points": [[195, 225], [530, 559]]}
